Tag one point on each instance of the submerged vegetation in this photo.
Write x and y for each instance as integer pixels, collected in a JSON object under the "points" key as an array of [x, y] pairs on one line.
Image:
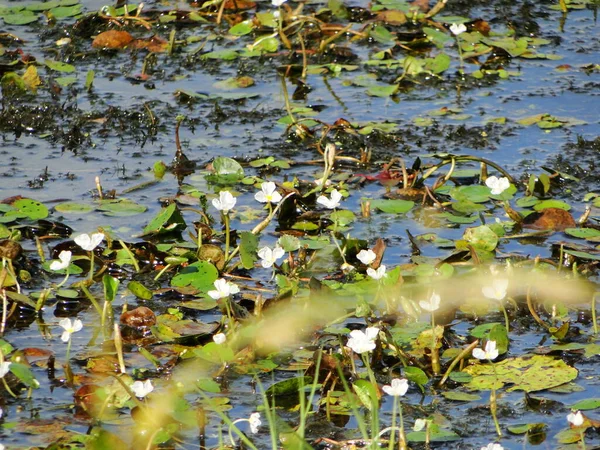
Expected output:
{"points": [[218, 261]]}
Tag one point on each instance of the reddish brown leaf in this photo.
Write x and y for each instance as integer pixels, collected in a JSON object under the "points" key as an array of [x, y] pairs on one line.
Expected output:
{"points": [[423, 5], [139, 317], [379, 249], [153, 44], [550, 219], [482, 26], [238, 5], [113, 39]]}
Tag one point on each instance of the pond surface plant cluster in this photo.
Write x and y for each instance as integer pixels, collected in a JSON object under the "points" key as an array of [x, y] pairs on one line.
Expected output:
{"points": [[299, 225]]}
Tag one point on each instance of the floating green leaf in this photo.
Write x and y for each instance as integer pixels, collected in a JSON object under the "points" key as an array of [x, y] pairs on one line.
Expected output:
{"points": [[393, 206], [200, 275], [528, 374], [168, 220]]}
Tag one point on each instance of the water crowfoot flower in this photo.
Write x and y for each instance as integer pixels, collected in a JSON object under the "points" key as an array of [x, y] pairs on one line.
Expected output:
{"points": [[223, 289], [141, 389], [69, 328], [575, 418], [490, 352], [377, 274], [497, 185], [492, 446], [225, 202], [433, 304], [270, 256], [398, 387], [457, 29], [277, 3], [366, 256], [4, 368], [332, 202], [64, 261], [89, 242], [254, 422], [268, 193], [361, 342], [497, 291], [219, 338]]}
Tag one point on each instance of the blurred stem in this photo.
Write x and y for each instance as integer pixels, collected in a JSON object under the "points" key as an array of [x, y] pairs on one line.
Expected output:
{"points": [[493, 403], [594, 319], [435, 357], [506, 321]]}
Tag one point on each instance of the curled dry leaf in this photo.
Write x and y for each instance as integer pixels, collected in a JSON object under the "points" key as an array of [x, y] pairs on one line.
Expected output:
{"points": [[140, 317], [113, 39], [550, 219], [153, 44]]}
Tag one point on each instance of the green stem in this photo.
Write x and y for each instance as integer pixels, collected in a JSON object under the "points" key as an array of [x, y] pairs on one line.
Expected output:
{"points": [[393, 427], [460, 54], [92, 265], [506, 321], [402, 437], [59, 285], [133, 260], [226, 220], [91, 298], [493, 404]]}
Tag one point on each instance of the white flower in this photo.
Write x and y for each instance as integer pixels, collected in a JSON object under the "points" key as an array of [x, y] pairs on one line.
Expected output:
{"points": [[319, 182], [225, 202], [366, 256], [1, 414], [89, 242], [490, 352], [419, 424], [377, 274], [269, 256], [497, 185], [457, 29], [268, 193], [64, 41], [223, 289], [141, 389], [69, 328], [492, 446], [347, 268], [576, 419], [497, 291], [361, 342], [65, 260], [398, 387], [332, 202], [1, 446], [219, 338], [278, 3], [433, 304], [4, 368], [255, 422]]}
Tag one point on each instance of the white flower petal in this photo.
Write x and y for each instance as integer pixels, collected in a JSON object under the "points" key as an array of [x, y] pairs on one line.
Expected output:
{"points": [[366, 256]]}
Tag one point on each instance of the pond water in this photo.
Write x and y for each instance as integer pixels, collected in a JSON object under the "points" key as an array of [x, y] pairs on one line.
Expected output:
{"points": [[57, 139]]}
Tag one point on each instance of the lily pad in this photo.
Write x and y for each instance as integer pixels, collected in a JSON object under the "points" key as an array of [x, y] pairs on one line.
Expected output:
{"points": [[527, 374], [200, 275]]}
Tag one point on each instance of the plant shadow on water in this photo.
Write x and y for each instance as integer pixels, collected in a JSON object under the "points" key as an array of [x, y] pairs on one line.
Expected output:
{"points": [[320, 225]]}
